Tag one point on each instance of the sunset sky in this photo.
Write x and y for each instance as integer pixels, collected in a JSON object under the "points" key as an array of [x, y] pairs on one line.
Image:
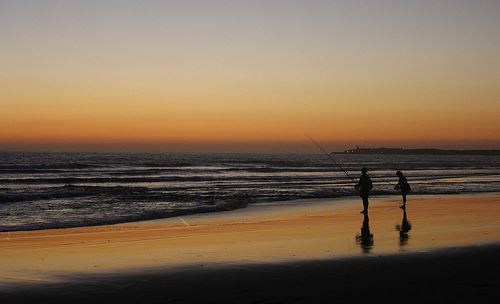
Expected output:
{"points": [[248, 75]]}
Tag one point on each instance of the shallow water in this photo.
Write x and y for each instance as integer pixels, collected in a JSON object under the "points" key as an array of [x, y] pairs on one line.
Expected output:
{"points": [[52, 190]]}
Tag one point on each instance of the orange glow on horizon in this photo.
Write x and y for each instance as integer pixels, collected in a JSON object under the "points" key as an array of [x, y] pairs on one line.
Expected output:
{"points": [[142, 74]]}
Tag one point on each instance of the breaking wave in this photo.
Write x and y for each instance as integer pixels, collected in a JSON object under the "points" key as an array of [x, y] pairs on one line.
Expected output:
{"points": [[55, 190]]}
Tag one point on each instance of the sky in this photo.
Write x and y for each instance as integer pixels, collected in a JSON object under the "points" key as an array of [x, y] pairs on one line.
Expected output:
{"points": [[248, 76]]}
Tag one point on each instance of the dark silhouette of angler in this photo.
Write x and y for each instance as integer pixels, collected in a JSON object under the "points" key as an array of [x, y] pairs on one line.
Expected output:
{"points": [[364, 187], [404, 186], [403, 229], [365, 238]]}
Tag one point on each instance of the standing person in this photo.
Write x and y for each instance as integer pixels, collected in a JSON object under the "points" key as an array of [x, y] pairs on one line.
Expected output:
{"points": [[403, 186], [364, 186]]}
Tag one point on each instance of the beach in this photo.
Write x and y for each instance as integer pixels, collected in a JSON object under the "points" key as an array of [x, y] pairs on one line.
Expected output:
{"points": [[224, 151], [442, 246]]}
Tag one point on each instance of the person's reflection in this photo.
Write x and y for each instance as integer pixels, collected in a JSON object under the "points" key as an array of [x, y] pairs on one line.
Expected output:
{"points": [[365, 239], [403, 229]]}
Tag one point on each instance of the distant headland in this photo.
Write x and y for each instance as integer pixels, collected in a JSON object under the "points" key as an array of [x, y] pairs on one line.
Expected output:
{"points": [[422, 151]]}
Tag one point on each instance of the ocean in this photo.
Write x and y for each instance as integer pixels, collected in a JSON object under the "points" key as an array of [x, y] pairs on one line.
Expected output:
{"points": [[55, 190]]}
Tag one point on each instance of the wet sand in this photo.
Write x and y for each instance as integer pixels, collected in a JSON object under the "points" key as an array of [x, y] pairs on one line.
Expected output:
{"points": [[294, 252]]}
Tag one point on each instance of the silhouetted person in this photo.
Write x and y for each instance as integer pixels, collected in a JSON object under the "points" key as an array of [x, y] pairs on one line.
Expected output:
{"points": [[364, 186], [365, 239], [403, 229], [403, 186]]}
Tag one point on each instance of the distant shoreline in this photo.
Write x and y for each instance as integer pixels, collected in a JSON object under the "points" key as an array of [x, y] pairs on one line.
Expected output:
{"points": [[426, 151]]}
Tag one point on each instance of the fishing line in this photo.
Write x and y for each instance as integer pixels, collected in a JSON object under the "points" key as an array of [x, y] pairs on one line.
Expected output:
{"points": [[336, 163], [332, 159]]}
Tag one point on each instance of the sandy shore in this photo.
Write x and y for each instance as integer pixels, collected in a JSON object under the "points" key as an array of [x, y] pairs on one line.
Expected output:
{"points": [[291, 252]]}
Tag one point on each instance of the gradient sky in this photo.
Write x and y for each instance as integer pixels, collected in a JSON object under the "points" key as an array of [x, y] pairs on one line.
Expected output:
{"points": [[248, 75]]}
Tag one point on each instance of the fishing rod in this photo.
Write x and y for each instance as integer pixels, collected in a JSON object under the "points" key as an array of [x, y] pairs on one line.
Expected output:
{"points": [[330, 156], [332, 159]]}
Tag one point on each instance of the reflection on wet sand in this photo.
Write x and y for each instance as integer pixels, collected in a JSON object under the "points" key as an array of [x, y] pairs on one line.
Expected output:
{"points": [[365, 239], [403, 229]]}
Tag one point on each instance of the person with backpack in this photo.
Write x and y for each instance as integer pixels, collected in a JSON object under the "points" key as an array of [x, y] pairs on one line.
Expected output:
{"points": [[404, 186], [364, 186]]}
